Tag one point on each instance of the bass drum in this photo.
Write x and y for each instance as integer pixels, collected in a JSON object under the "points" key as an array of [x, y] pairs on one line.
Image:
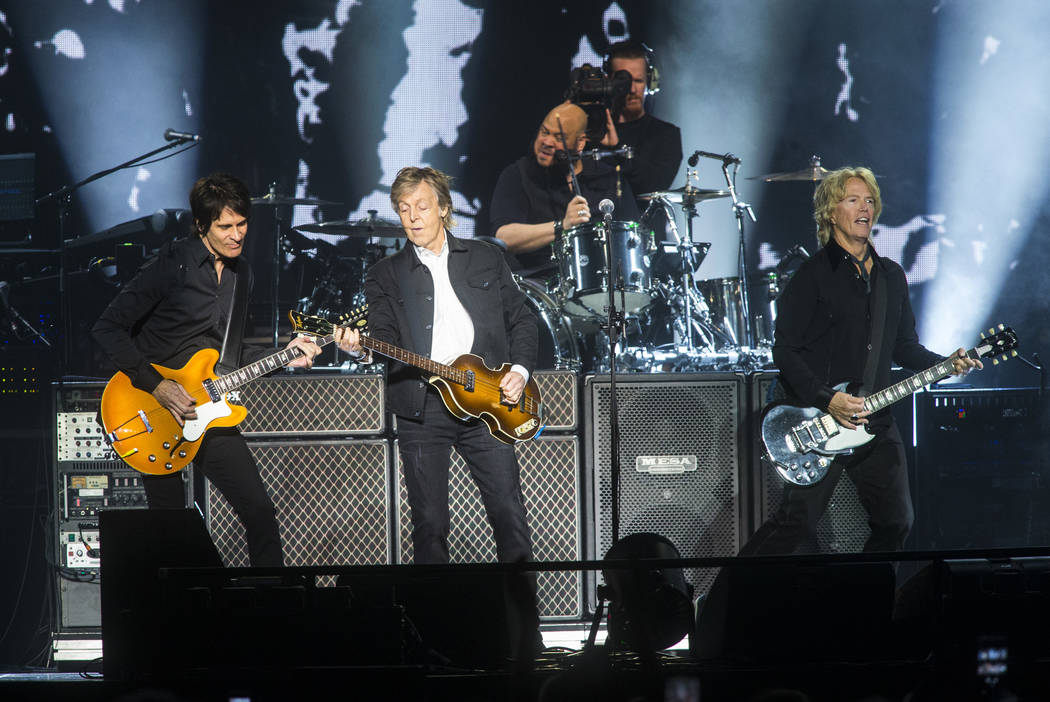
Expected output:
{"points": [[558, 348]]}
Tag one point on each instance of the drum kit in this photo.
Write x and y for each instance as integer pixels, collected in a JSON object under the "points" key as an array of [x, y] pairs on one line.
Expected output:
{"points": [[673, 319]]}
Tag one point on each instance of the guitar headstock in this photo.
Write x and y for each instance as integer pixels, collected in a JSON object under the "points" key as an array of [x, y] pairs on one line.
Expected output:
{"points": [[1001, 344], [313, 325]]}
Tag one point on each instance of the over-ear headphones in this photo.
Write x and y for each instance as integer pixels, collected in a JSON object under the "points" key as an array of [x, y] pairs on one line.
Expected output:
{"points": [[630, 49]]}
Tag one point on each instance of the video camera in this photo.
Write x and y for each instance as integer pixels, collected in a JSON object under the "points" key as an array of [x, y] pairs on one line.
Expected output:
{"points": [[594, 92]]}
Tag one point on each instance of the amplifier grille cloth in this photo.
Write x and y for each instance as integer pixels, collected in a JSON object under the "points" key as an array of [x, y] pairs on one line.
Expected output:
{"points": [[319, 405], [331, 500], [550, 486]]}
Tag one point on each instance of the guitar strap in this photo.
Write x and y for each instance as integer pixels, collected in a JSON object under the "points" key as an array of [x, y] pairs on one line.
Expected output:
{"points": [[230, 357], [878, 323]]}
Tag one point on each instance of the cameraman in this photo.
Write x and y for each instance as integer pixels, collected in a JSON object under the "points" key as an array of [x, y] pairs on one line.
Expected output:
{"points": [[657, 144], [534, 202]]}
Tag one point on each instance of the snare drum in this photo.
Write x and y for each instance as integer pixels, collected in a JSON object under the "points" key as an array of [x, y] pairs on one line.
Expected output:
{"points": [[557, 342], [584, 270]]}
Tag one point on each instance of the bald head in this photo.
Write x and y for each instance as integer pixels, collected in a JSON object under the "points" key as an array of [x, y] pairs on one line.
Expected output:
{"points": [[565, 117]]}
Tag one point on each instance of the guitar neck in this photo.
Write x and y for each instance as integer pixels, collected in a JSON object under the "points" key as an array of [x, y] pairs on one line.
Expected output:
{"points": [[250, 372], [898, 391], [442, 370]]}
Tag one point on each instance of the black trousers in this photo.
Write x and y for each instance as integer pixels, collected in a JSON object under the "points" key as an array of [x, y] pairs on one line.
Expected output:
{"points": [[425, 448], [225, 460], [879, 470]]}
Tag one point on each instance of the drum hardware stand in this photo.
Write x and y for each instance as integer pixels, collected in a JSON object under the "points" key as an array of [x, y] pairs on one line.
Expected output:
{"points": [[687, 255], [739, 208]]}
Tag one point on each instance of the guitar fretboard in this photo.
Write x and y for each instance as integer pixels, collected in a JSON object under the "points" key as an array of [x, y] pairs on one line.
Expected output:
{"points": [[441, 370], [898, 391], [250, 372]]}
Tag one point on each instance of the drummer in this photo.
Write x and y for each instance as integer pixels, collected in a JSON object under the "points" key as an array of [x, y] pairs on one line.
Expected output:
{"points": [[535, 202]]}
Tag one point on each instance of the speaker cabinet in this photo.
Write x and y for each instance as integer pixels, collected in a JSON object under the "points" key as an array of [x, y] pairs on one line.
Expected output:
{"points": [[331, 499], [680, 454], [844, 526], [550, 486], [340, 406], [559, 391]]}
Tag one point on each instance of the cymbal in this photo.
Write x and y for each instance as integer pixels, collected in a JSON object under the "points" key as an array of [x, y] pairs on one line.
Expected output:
{"points": [[813, 173], [680, 195], [279, 200], [361, 228]]}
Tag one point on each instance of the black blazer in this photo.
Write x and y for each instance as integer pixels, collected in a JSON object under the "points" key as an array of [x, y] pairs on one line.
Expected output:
{"points": [[400, 294]]}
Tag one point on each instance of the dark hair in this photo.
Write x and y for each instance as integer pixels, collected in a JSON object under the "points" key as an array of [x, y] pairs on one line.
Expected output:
{"points": [[410, 176], [627, 49], [211, 194]]}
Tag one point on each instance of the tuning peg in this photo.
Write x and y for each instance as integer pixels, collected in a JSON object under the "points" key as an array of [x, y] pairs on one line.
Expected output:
{"points": [[991, 330], [995, 361], [1002, 326], [982, 335], [1013, 354]]}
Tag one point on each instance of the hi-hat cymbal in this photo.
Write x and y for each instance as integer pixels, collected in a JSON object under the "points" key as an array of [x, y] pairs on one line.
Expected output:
{"points": [[813, 173], [279, 200], [361, 228], [686, 194]]}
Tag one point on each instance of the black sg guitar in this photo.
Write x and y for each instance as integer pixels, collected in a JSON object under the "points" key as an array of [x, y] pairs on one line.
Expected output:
{"points": [[801, 442]]}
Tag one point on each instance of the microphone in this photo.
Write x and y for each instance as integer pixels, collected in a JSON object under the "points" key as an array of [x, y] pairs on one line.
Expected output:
{"points": [[724, 158], [171, 135], [598, 154], [606, 206]]}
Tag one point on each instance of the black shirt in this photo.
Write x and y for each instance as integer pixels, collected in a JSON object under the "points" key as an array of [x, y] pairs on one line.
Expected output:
{"points": [[657, 153], [824, 325], [174, 307], [527, 193]]}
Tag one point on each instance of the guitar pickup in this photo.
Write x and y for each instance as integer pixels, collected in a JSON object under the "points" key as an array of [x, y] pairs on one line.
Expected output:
{"points": [[469, 384], [213, 394]]}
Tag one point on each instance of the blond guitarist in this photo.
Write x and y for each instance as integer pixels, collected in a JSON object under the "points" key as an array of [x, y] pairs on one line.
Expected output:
{"points": [[178, 304]]}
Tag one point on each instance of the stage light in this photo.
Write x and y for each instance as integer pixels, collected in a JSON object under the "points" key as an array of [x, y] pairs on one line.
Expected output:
{"points": [[650, 608]]}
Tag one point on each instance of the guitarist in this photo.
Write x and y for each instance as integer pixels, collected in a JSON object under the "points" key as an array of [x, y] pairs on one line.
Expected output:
{"points": [[845, 316], [442, 297], [179, 303]]}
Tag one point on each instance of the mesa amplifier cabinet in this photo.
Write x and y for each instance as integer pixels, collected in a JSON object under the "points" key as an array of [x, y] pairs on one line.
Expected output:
{"points": [[313, 406], [331, 499], [680, 455], [550, 485], [86, 479]]}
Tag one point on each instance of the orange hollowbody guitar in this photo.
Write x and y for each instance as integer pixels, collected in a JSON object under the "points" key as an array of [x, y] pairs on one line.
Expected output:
{"points": [[468, 387], [147, 436]]}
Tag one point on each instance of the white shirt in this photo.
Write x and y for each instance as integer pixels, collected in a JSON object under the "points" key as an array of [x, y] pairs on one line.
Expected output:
{"points": [[453, 332]]}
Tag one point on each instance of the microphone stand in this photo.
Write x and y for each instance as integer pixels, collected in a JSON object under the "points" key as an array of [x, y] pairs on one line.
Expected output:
{"points": [[739, 208], [64, 198], [614, 322]]}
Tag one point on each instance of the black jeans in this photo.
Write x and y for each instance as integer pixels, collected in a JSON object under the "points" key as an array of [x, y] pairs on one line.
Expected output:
{"points": [[879, 470], [425, 448], [225, 460]]}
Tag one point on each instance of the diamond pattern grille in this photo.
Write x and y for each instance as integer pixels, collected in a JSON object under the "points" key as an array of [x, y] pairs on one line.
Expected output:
{"points": [[331, 500], [698, 511], [558, 390], [844, 526], [550, 486], [320, 405]]}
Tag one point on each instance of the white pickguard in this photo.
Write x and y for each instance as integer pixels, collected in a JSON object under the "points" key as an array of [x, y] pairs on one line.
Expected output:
{"points": [[208, 412], [847, 439]]}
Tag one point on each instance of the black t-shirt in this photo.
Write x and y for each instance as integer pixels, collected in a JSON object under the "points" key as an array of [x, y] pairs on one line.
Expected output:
{"points": [[527, 193], [657, 153]]}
